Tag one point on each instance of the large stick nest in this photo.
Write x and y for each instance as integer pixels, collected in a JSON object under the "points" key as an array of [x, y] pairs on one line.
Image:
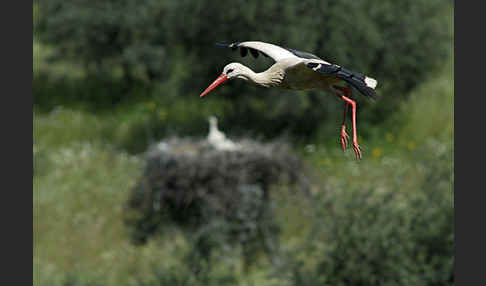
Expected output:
{"points": [[195, 186]]}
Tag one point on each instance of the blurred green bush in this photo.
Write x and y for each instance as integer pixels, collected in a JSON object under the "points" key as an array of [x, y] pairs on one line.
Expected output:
{"points": [[386, 235], [168, 47]]}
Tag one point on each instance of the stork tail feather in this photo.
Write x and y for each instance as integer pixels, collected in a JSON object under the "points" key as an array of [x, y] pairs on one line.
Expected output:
{"points": [[365, 85], [370, 82]]}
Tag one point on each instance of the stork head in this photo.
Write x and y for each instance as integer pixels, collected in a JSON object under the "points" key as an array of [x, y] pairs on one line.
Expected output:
{"points": [[212, 120], [230, 71], [234, 70]]}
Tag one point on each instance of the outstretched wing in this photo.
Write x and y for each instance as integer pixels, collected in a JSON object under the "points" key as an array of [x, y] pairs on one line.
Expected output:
{"points": [[275, 52], [303, 55], [365, 85]]}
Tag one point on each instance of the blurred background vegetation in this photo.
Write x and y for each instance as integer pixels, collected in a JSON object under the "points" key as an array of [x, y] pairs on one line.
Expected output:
{"points": [[113, 77]]}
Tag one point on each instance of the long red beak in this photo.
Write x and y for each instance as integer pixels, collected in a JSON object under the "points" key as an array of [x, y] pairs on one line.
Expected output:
{"points": [[222, 78]]}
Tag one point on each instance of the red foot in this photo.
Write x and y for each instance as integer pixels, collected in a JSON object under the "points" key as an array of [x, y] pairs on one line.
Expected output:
{"points": [[344, 138], [357, 150]]}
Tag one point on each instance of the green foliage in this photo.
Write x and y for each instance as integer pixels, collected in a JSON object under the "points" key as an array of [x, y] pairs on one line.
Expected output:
{"points": [[113, 77], [183, 276], [430, 110], [387, 235], [388, 217], [168, 46], [391, 40]]}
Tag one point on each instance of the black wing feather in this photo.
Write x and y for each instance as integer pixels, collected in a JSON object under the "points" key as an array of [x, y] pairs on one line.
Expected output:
{"points": [[254, 53], [355, 79], [304, 55], [243, 51]]}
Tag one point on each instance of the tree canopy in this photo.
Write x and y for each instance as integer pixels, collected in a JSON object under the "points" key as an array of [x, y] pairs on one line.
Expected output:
{"points": [[170, 44]]}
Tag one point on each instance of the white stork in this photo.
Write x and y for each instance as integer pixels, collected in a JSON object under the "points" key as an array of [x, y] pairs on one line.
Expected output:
{"points": [[297, 70], [218, 139]]}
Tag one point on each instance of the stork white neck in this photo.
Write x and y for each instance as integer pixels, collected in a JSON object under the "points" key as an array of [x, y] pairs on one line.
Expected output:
{"points": [[217, 138], [270, 77], [213, 124]]}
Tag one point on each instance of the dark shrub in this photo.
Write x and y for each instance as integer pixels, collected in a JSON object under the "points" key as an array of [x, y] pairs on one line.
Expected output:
{"points": [[220, 197]]}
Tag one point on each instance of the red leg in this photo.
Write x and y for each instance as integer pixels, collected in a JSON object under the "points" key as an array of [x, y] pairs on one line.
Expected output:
{"points": [[344, 135], [347, 100]]}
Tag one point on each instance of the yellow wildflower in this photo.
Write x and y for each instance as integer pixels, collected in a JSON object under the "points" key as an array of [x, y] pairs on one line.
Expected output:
{"points": [[151, 105], [411, 145], [376, 153]]}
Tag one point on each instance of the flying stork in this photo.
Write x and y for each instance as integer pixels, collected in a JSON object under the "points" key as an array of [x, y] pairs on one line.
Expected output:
{"points": [[297, 70]]}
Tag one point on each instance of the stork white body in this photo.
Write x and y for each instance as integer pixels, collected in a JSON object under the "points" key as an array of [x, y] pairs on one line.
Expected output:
{"points": [[218, 139], [297, 70]]}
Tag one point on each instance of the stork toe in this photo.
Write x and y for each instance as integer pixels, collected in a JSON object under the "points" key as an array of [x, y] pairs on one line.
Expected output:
{"points": [[344, 138], [357, 150]]}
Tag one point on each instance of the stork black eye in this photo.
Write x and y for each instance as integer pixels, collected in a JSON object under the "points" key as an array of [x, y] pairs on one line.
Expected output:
{"points": [[230, 70]]}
